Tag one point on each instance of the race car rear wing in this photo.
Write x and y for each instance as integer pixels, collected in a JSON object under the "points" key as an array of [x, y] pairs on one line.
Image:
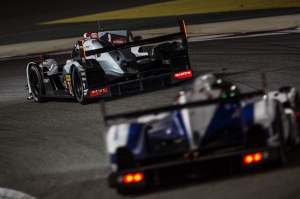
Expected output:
{"points": [[179, 35], [163, 109]]}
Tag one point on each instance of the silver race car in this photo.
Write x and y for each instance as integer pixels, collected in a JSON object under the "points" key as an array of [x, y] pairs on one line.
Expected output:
{"points": [[112, 64]]}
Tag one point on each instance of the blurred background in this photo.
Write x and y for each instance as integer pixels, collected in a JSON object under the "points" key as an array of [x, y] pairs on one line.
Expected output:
{"points": [[43, 20]]}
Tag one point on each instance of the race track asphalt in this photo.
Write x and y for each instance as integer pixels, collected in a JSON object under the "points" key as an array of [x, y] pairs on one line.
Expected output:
{"points": [[56, 149]]}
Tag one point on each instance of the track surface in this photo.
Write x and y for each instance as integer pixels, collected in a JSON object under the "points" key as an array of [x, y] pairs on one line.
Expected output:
{"points": [[55, 149]]}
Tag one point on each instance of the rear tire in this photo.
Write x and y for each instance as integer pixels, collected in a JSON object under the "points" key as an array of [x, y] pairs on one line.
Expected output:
{"points": [[77, 85], [36, 83]]}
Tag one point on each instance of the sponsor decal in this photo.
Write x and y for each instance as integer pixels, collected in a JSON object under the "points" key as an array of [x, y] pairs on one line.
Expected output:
{"points": [[68, 84], [68, 77]]}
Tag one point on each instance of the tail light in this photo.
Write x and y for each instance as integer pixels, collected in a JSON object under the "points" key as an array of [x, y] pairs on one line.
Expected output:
{"points": [[183, 74], [131, 178], [253, 158], [98, 92]]}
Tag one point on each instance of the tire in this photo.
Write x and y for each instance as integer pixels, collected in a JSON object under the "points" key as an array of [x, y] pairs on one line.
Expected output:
{"points": [[77, 85], [36, 83]]}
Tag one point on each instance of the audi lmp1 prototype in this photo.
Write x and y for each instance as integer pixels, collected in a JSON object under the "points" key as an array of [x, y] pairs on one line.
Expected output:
{"points": [[211, 120], [110, 64]]}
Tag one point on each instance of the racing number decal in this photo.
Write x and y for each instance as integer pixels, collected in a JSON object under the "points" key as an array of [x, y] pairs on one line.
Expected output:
{"points": [[68, 84]]}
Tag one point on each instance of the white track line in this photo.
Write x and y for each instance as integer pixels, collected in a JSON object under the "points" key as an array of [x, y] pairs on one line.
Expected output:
{"points": [[241, 35]]}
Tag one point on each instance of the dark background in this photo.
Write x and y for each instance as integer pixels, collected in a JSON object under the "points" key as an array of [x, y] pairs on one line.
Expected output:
{"points": [[19, 19]]}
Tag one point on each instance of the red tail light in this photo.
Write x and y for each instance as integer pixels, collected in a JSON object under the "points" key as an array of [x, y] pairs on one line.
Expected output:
{"points": [[248, 159], [127, 179], [183, 74], [258, 157], [131, 178], [253, 158], [297, 114], [98, 92]]}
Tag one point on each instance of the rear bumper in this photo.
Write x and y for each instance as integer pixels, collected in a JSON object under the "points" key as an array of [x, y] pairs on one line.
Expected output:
{"points": [[138, 85], [202, 163]]}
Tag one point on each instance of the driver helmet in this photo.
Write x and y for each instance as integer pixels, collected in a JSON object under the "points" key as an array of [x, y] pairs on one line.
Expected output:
{"points": [[90, 35]]}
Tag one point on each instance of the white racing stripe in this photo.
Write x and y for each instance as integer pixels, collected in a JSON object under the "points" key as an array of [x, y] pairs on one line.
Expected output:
{"points": [[242, 35]]}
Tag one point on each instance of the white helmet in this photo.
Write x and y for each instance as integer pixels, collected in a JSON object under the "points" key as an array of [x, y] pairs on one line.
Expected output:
{"points": [[90, 35]]}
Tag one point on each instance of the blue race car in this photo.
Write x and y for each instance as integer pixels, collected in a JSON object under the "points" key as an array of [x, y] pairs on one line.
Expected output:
{"points": [[211, 120]]}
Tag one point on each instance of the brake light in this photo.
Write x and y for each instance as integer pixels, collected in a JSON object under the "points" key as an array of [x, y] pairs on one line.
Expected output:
{"points": [[258, 157], [253, 158], [183, 74], [98, 92], [128, 179], [131, 178], [248, 159]]}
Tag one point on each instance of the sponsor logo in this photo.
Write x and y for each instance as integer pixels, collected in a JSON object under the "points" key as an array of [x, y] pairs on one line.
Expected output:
{"points": [[68, 77]]}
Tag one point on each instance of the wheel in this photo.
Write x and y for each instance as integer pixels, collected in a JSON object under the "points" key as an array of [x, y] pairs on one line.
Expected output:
{"points": [[36, 83], [77, 86]]}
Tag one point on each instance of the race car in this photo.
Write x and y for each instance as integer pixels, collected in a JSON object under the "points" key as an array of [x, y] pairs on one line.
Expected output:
{"points": [[210, 121], [112, 64]]}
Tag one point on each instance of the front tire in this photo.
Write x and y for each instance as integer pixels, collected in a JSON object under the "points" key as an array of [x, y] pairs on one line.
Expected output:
{"points": [[36, 83], [77, 85]]}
